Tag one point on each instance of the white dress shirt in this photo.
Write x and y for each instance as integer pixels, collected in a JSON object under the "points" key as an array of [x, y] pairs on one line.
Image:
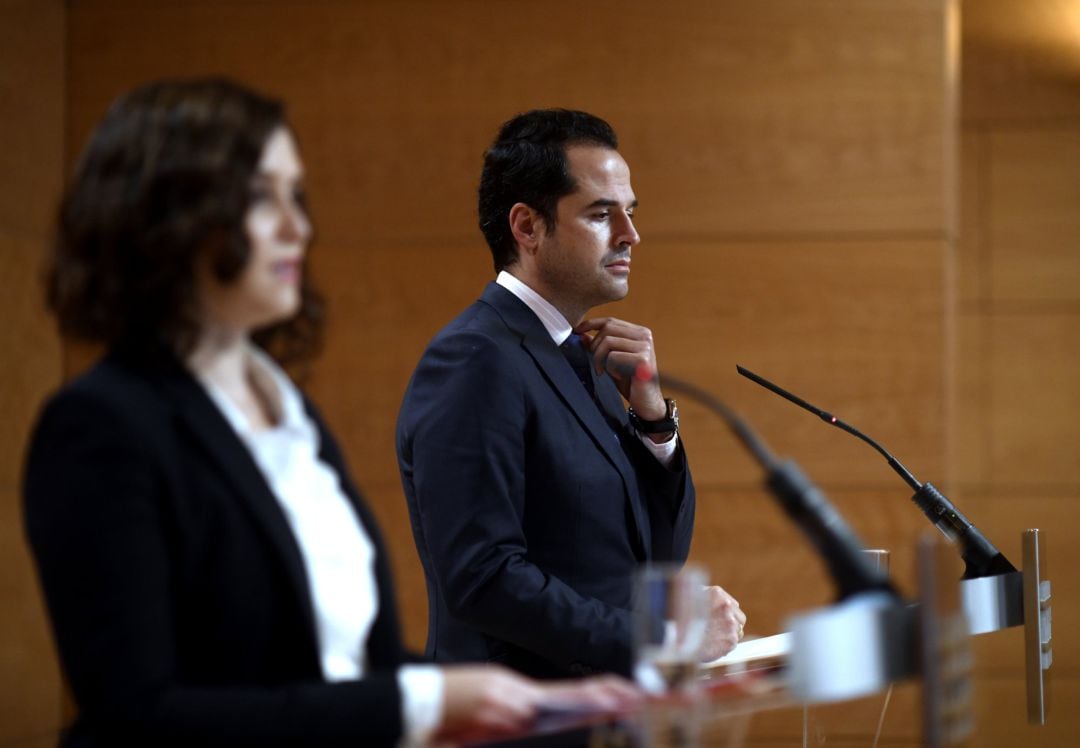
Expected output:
{"points": [[560, 329], [338, 554]]}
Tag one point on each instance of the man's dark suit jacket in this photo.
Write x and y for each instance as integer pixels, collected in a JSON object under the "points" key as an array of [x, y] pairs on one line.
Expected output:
{"points": [[177, 593], [531, 509]]}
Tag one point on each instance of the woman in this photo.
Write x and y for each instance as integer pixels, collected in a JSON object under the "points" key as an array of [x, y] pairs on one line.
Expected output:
{"points": [[212, 575]]}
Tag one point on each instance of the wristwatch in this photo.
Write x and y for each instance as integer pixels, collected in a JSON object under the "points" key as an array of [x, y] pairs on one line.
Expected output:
{"points": [[670, 421]]}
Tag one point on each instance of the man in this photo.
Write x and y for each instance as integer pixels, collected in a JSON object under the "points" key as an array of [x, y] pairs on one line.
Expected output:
{"points": [[534, 493]]}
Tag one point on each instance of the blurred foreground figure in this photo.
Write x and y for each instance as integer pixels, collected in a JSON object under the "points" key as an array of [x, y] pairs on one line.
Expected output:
{"points": [[212, 574]]}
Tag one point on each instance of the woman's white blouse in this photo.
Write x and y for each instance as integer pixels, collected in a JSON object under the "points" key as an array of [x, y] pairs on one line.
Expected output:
{"points": [[338, 554]]}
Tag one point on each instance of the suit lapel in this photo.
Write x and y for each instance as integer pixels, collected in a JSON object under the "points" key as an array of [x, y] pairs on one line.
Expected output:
{"points": [[557, 370], [234, 463], [611, 401]]}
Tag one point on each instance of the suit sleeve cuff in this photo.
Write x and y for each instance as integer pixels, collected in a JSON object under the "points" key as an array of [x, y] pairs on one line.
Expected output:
{"points": [[421, 703]]}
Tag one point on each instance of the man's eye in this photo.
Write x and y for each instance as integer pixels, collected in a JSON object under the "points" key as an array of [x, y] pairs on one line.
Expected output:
{"points": [[602, 216]]}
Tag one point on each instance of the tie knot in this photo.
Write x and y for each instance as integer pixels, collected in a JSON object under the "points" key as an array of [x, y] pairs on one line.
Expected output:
{"points": [[574, 348], [578, 356]]}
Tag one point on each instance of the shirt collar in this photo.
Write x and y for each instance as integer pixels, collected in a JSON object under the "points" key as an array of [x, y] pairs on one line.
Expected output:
{"points": [[552, 319]]}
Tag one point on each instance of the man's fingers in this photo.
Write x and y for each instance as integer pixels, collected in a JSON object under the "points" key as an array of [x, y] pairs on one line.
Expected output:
{"points": [[622, 351], [610, 326]]}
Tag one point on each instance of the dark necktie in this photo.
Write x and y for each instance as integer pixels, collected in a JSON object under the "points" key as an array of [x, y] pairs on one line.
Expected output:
{"points": [[574, 350], [582, 362]]}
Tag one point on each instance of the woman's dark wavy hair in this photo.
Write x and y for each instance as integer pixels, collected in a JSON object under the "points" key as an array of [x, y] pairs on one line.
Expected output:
{"points": [[165, 177], [527, 164]]}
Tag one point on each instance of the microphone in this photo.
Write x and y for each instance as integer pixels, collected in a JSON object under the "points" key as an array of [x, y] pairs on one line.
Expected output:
{"points": [[981, 558], [851, 570]]}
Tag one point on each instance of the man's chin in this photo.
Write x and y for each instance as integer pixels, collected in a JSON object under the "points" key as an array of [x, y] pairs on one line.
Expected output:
{"points": [[619, 290]]}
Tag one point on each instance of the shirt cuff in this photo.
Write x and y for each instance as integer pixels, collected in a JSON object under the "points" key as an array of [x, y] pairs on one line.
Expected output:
{"points": [[664, 451], [421, 703]]}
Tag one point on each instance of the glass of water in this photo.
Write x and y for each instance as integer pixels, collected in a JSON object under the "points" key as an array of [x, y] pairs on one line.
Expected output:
{"points": [[670, 621]]}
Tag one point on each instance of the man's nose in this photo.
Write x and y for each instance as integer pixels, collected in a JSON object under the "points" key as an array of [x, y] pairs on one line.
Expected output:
{"points": [[626, 233]]}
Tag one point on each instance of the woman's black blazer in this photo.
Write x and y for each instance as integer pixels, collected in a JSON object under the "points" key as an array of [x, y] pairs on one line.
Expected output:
{"points": [[175, 587]]}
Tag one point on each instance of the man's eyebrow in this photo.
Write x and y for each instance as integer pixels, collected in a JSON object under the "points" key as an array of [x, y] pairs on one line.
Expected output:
{"points": [[607, 203]]}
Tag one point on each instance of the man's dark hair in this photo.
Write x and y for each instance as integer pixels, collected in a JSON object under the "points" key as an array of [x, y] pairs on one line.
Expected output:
{"points": [[527, 164], [165, 178]]}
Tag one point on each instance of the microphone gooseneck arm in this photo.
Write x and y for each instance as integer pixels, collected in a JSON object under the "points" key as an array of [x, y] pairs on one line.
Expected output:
{"points": [[981, 558], [829, 418], [850, 568]]}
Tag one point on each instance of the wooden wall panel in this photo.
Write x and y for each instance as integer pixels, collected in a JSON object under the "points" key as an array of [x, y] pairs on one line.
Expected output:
{"points": [[853, 326], [31, 129], [1018, 370], [30, 694], [1020, 62], [30, 350], [970, 250], [32, 103], [1034, 399], [850, 723], [753, 550], [781, 117], [1033, 220], [971, 433], [1001, 719]]}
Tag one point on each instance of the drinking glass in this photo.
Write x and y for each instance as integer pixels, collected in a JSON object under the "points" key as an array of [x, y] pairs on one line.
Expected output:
{"points": [[670, 620]]}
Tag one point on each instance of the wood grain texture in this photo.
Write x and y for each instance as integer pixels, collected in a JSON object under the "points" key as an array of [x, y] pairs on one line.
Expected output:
{"points": [[1034, 397], [971, 261], [850, 723], [1017, 399], [780, 118], [1033, 220], [30, 350], [1020, 61], [754, 551], [1001, 716], [32, 126], [1017, 363], [30, 688], [32, 100], [970, 432], [856, 328]]}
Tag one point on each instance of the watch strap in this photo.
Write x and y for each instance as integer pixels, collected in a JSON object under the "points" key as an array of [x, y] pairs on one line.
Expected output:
{"points": [[670, 422]]}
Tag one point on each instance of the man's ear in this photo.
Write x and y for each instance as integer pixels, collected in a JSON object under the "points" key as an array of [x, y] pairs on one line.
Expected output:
{"points": [[527, 227]]}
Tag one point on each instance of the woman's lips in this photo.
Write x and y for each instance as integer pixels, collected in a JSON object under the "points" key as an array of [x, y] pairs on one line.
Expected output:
{"points": [[287, 270]]}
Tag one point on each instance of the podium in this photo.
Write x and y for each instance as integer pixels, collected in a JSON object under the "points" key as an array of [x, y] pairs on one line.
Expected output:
{"points": [[844, 652], [863, 645], [853, 650]]}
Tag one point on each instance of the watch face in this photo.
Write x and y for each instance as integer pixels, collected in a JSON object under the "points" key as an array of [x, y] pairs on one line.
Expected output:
{"points": [[673, 413]]}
